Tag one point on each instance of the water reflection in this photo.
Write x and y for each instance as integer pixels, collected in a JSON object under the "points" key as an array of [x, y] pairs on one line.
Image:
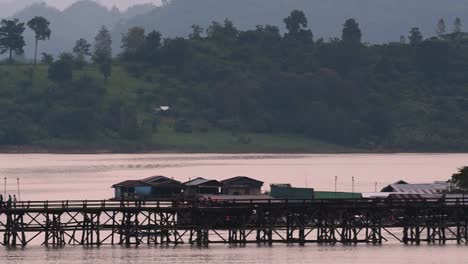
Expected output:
{"points": [[236, 255]]}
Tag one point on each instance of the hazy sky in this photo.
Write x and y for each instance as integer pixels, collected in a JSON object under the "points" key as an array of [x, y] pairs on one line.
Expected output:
{"points": [[12, 4]]}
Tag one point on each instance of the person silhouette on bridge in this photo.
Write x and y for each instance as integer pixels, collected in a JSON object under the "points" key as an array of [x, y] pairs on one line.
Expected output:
{"points": [[8, 205], [1, 200]]}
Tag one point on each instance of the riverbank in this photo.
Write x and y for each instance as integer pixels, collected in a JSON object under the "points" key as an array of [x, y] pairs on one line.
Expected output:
{"points": [[167, 141]]}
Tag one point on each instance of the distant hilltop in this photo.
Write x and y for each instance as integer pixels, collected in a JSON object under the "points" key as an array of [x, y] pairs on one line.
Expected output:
{"points": [[381, 21], [10, 7]]}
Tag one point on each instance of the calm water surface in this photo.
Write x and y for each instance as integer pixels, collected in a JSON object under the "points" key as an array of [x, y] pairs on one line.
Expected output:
{"points": [[56, 177]]}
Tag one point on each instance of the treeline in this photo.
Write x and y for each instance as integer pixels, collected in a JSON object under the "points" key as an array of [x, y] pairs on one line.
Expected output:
{"points": [[409, 95]]}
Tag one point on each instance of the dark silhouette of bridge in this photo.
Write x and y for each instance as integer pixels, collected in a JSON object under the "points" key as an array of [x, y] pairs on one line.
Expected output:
{"points": [[374, 221]]}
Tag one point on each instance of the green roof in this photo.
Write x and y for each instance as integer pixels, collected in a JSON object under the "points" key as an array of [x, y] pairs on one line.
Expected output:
{"points": [[279, 192], [336, 195]]}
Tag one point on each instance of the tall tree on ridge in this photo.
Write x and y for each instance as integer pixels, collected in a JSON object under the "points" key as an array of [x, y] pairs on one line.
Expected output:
{"points": [[197, 31], [11, 37], [441, 28], [40, 26], [457, 25], [133, 42], [82, 49], [402, 39], [351, 32], [415, 36], [296, 24], [102, 54]]}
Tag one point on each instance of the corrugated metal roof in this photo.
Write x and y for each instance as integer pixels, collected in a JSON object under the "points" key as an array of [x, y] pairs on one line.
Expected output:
{"points": [[157, 181], [130, 183], [201, 181], [155, 178], [223, 197], [406, 197], [422, 188], [196, 181], [375, 195], [239, 178]]}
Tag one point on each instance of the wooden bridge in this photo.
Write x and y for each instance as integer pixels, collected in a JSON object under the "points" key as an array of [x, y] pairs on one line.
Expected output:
{"points": [[89, 223]]}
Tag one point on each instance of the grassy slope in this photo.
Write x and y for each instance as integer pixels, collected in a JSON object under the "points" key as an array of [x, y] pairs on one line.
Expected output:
{"points": [[164, 140], [223, 141]]}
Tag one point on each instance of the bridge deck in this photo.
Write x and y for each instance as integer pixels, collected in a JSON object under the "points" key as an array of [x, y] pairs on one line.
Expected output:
{"points": [[57, 223]]}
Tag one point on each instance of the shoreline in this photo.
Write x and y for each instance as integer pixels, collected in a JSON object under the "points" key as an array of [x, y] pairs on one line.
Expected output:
{"points": [[117, 150]]}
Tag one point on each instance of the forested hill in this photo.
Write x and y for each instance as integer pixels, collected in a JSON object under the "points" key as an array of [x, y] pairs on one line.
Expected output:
{"points": [[80, 20], [380, 20], [231, 90]]}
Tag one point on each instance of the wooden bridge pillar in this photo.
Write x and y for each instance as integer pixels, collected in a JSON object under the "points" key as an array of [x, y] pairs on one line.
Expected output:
{"points": [[373, 228], [462, 232], [169, 232], [91, 229], [295, 227], [349, 228], [263, 234], [54, 233], [14, 230], [237, 236], [436, 226], [199, 228], [129, 229], [412, 234], [326, 230], [199, 237]]}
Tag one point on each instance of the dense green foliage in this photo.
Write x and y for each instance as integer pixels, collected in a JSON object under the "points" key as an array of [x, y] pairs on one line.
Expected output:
{"points": [[394, 96], [11, 37], [460, 179]]}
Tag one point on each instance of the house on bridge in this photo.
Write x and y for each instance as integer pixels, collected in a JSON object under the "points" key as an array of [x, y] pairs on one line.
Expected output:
{"points": [[155, 187], [418, 188], [241, 185], [201, 186]]}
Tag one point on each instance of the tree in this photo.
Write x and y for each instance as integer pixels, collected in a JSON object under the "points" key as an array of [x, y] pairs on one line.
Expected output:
{"points": [[61, 71], [351, 32], [415, 37], [152, 45], [441, 28], [40, 26], [47, 59], [295, 22], [11, 37], [402, 39], [457, 25], [102, 54], [133, 42], [460, 179], [153, 41], [67, 57], [197, 31], [82, 49]]}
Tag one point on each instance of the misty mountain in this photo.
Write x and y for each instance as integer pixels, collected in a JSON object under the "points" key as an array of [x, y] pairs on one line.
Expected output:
{"points": [[9, 7], [380, 20], [82, 19]]}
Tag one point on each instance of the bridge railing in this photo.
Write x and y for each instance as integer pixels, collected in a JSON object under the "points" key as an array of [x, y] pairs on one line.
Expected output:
{"points": [[181, 203]]}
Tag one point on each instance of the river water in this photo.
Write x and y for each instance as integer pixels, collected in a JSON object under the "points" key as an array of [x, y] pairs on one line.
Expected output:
{"points": [[58, 177]]}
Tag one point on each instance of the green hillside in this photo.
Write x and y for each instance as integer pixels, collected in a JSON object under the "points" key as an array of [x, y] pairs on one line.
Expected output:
{"points": [[121, 86], [232, 90]]}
